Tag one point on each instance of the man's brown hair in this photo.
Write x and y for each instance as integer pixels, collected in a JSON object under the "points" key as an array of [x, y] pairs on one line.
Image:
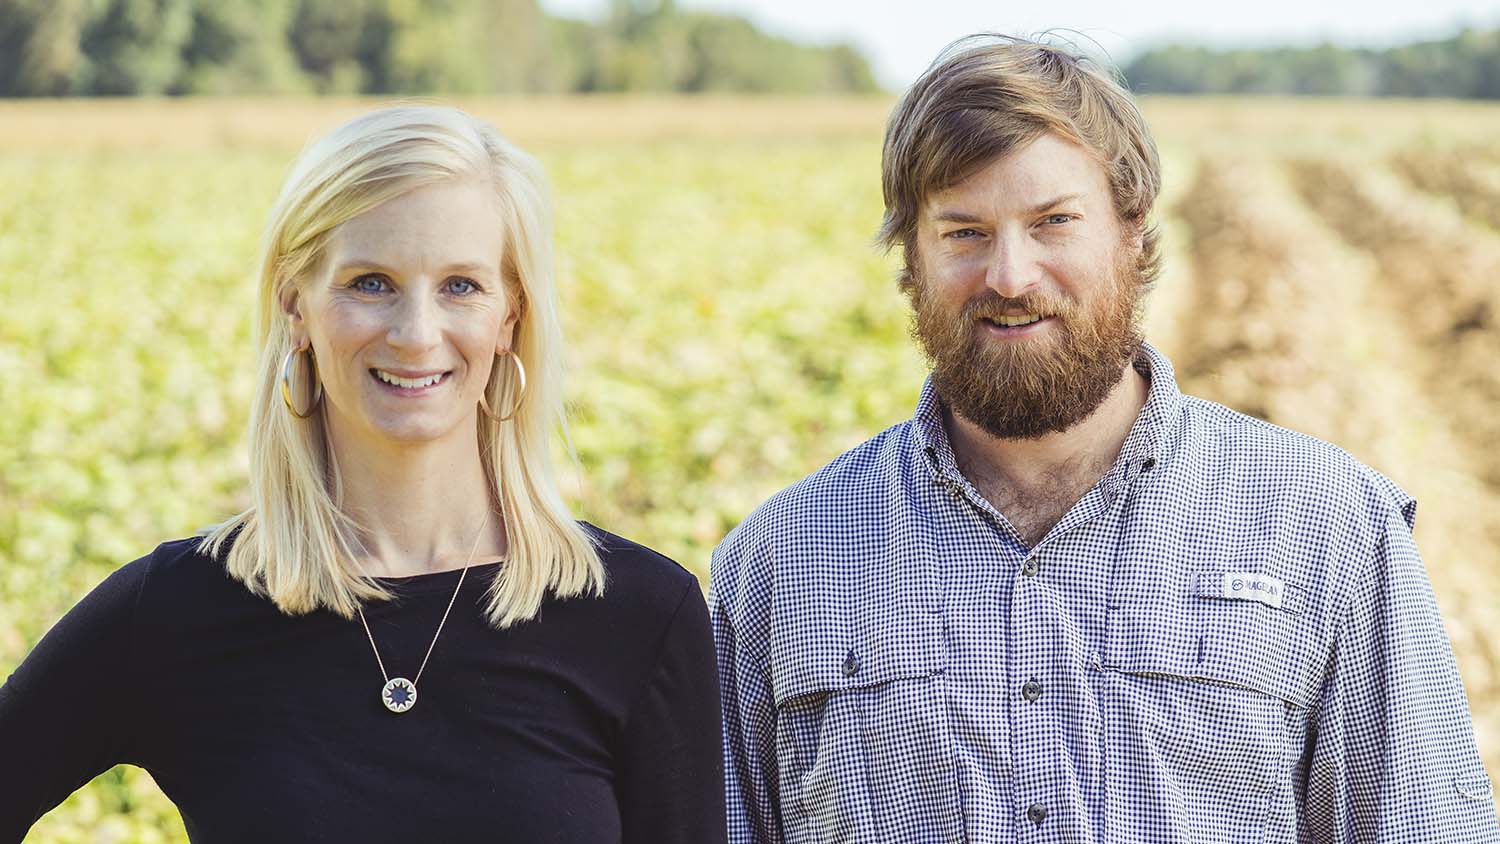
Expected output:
{"points": [[988, 95]]}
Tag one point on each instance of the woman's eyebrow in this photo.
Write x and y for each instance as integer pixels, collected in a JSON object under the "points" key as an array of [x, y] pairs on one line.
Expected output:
{"points": [[363, 264], [470, 267]]}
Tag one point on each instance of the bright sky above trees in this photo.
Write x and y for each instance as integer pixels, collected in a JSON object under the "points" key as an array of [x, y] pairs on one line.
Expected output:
{"points": [[900, 37]]}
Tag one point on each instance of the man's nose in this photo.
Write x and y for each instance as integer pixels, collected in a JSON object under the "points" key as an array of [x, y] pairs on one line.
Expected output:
{"points": [[1013, 268]]}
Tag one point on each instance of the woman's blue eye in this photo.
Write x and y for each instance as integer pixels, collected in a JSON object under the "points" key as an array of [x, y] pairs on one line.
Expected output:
{"points": [[360, 283], [1058, 219], [456, 284]]}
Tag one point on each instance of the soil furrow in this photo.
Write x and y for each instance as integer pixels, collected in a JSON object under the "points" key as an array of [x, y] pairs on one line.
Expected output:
{"points": [[1473, 184], [1271, 281], [1436, 278]]}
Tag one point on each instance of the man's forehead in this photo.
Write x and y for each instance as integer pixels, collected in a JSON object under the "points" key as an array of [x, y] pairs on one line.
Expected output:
{"points": [[1046, 172]]}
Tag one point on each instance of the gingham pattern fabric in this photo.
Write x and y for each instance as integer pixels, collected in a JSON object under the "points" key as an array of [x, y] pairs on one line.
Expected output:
{"points": [[1230, 638]]}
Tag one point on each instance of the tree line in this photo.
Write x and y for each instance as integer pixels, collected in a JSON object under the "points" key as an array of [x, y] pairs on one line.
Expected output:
{"points": [[1466, 65], [55, 48]]}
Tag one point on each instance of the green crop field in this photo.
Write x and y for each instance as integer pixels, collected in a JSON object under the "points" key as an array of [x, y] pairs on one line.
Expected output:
{"points": [[1332, 266]]}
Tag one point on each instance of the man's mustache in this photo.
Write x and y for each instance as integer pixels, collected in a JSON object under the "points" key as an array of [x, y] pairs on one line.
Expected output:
{"points": [[989, 305]]}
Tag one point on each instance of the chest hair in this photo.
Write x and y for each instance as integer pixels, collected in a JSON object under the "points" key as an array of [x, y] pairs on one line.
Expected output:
{"points": [[1033, 509]]}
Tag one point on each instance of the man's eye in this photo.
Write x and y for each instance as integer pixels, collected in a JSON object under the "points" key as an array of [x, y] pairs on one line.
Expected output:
{"points": [[963, 234], [462, 286], [1058, 219], [368, 283]]}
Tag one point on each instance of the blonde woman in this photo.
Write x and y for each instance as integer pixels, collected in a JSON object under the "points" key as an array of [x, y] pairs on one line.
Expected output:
{"points": [[406, 637]]}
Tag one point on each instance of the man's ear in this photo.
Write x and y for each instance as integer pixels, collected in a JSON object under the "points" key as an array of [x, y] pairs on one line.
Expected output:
{"points": [[1136, 234]]}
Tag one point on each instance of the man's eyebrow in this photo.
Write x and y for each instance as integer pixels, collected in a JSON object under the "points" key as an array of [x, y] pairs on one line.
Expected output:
{"points": [[1054, 202], [955, 216]]}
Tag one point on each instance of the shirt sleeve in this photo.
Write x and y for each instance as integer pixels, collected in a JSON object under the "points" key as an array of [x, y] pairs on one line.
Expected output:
{"points": [[1394, 757], [671, 785], [64, 713], [750, 773]]}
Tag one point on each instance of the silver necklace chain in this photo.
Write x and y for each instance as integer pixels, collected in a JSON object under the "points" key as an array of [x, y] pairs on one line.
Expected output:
{"points": [[400, 694]]}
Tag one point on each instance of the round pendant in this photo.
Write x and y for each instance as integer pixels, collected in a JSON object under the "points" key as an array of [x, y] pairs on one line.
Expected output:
{"points": [[399, 694]]}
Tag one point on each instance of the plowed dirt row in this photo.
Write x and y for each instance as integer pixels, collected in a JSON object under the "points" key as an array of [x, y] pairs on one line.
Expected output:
{"points": [[1437, 280], [1290, 324], [1473, 184]]}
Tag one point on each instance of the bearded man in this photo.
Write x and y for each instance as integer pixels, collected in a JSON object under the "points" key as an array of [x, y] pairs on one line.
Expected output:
{"points": [[1065, 602]]}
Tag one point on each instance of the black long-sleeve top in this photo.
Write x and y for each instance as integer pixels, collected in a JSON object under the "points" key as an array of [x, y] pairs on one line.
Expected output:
{"points": [[598, 721]]}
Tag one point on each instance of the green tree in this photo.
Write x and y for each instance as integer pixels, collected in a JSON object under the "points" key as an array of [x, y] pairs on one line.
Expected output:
{"points": [[240, 47], [135, 46], [341, 44], [40, 54], [462, 46], [518, 44], [61, 47], [1173, 69], [1467, 65]]}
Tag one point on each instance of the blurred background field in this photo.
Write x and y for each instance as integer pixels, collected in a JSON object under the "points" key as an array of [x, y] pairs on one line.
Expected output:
{"points": [[1332, 266]]}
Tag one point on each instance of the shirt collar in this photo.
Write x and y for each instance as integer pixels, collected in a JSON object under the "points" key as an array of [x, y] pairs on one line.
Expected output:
{"points": [[1145, 445]]}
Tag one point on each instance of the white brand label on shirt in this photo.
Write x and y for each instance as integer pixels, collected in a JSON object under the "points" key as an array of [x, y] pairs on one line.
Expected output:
{"points": [[1249, 586]]}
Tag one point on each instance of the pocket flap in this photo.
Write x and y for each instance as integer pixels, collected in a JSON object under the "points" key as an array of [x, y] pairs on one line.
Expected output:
{"points": [[908, 646], [1244, 643], [1475, 786], [857, 617]]}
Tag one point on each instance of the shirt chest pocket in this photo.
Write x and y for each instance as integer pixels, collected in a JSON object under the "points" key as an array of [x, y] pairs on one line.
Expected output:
{"points": [[1204, 698], [864, 748]]}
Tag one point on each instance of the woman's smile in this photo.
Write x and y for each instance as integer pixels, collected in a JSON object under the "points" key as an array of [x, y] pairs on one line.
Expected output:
{"points": [[412, 385]]}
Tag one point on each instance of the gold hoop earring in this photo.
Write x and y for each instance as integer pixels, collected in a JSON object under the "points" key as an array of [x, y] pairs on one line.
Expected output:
{"points": [[286, 381], [520, 391]]}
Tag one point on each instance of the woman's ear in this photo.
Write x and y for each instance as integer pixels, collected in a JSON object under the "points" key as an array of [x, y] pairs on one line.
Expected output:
{"points": [[291, 305], [507, 337], [515, 302]]}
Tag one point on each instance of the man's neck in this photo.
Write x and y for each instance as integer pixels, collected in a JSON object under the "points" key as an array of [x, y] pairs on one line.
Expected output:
{"points": [[1034, 482]]}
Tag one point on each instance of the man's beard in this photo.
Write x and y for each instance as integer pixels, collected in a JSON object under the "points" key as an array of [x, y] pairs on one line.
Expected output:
{"points": [[1024, 389]]}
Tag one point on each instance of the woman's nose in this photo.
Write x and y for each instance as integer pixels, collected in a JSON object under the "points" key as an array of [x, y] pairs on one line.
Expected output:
{"points": [[415, 325]]}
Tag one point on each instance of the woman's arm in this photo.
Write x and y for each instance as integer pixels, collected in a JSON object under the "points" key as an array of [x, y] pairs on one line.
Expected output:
{"points": [[66, 711], [671, 785]]}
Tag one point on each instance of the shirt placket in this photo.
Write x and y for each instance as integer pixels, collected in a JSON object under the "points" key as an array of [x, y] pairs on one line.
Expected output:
{"points": [[1034, 638], [1035, 626]]}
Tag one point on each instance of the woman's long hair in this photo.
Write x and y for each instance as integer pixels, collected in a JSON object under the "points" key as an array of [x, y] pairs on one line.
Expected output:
{"points": [[294, 542]]}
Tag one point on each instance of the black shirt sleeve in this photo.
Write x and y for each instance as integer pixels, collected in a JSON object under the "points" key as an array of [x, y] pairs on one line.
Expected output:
{"points": [[65, 713], [671, 785]]}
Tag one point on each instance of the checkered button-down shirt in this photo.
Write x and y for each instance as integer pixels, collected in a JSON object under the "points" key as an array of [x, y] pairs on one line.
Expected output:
{"points": [[1230, 638]]}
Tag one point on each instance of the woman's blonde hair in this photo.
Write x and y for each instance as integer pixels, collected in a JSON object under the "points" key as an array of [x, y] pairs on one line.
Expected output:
{"points": [[294, 542]]}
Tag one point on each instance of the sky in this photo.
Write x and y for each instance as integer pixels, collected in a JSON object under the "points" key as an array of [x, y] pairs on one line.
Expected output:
{"points": [[901, 36]]}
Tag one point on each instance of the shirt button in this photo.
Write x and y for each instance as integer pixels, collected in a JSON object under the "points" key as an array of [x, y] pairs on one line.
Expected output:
{"points": [[1032, 690], [1030, 568], [1037, 813], [851, 665]]}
